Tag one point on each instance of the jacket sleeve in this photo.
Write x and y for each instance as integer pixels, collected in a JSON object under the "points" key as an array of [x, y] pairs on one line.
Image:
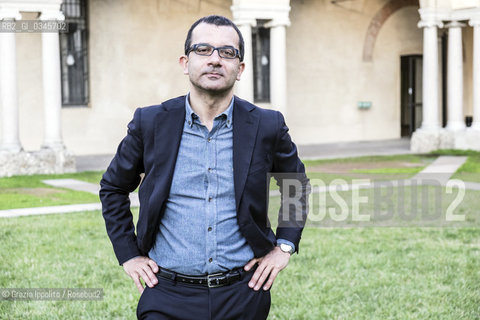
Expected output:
{"points": [[289, 171], [121, 178]]}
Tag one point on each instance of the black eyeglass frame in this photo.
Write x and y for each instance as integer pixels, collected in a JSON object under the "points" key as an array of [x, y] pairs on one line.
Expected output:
{"points": [[195, 46]]}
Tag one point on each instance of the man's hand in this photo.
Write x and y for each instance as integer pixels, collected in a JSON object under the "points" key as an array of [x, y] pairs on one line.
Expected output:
{"points": [[142, 267], [268, 267]]}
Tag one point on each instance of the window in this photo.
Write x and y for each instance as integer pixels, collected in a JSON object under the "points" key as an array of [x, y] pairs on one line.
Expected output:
{"points": [[261, 62], [74, 54]]}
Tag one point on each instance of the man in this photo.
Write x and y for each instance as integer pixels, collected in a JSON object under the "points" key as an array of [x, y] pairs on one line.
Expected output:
{"points": [[203, 246]]}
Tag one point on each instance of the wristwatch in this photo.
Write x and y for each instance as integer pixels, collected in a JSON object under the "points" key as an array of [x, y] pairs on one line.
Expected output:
{"points": [[286, 248]]}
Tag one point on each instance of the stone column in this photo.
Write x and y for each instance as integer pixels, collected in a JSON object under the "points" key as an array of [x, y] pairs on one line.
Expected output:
{"points": [[430, 119], [278, 64], [455, 121], [8, 85], [427, 137], [52, 94], [244, 88], [470, 138], [476, 73]]}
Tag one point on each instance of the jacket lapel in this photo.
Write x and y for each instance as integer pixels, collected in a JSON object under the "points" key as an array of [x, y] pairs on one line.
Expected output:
{"points": [[245, 126], [168, 134]]}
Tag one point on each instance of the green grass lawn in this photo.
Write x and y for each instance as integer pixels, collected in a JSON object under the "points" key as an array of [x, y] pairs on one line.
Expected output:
{"points": [[359, 273], [30, 191], [470, 170], [340, 273]]}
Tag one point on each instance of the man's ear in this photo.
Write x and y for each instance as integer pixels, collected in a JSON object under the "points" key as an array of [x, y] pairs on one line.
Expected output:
{"points": [[241, 67], [183, 62]]}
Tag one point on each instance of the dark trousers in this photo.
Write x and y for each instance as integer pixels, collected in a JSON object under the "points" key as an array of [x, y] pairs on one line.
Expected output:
{"points": [[171, 300]]}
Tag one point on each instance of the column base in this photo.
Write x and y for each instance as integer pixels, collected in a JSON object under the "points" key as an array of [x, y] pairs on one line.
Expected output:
{"points": [[447, 139], [475, 126], [468, 139], [43, 161], [55, 146], [424, 141], [456, 126], [12, 148]]}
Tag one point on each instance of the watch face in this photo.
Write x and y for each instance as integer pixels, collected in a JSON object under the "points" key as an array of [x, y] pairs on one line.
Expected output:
{"points": [[286, 248]]}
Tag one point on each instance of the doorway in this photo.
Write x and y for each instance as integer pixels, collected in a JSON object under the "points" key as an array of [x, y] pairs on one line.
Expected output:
{"points": [[411, 94]]}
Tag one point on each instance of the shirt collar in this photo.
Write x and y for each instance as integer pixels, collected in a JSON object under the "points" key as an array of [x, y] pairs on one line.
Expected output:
{"points": [[190, 115]]}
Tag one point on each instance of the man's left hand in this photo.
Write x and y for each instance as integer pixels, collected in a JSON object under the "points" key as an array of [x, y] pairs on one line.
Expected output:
{"points": [[269, 267]]}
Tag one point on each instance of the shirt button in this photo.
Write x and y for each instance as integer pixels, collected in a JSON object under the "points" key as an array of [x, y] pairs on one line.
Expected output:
{"points": [[209, 229], [210, 199], [210, 260], [209, 169], [209, 139]]}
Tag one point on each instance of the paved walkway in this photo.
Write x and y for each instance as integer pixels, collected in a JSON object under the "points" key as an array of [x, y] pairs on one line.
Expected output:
{"points": [[355, 149], [50, 210], [93, 162], [74, 184], [69, 184], [441, 170]]}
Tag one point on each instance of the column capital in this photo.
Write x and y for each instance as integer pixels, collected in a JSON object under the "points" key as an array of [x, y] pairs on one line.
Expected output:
{"points": [[455, 24], [52, 15], [10, 13], [281, 22], [474, 22], [245, 22], [430, 17], [430, 24]]}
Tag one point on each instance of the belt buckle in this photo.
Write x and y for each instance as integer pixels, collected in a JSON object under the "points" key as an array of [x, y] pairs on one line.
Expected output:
{"points": [[211, 277]]}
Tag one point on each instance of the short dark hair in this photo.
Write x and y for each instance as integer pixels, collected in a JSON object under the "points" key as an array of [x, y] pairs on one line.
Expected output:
{"points": [[218, 21]]}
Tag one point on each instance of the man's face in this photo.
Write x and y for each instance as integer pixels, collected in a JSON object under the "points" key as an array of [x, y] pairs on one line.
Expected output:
{"points": [[213, 74]]}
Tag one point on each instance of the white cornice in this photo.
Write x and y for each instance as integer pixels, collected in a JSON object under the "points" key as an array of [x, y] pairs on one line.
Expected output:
{"points": [[31, 5], [277, 11], [431, 15], [10, 13]]}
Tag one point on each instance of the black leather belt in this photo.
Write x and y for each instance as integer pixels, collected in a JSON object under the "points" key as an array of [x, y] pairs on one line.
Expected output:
{"points": [[211, 280]]}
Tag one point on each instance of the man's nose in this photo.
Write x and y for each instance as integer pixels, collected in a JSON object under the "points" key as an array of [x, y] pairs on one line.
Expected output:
{"points": [[215, 57]]}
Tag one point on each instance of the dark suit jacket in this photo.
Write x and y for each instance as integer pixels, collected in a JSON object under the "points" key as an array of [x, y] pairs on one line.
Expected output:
{"points": [[261, 144]]}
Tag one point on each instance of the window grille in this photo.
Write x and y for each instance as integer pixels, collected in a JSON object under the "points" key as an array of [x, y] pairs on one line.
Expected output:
{"points": [[74, 54], [261, 62]]}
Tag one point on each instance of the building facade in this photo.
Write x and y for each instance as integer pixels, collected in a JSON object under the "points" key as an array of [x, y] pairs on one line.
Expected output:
{"points": [[339, 70]]}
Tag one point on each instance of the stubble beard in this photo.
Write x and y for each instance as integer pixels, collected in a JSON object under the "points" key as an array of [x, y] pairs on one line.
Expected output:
{"points": [[221, 91]]}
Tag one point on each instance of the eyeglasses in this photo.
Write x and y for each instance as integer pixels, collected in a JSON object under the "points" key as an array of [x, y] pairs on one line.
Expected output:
{"points": [[204, 49]]}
